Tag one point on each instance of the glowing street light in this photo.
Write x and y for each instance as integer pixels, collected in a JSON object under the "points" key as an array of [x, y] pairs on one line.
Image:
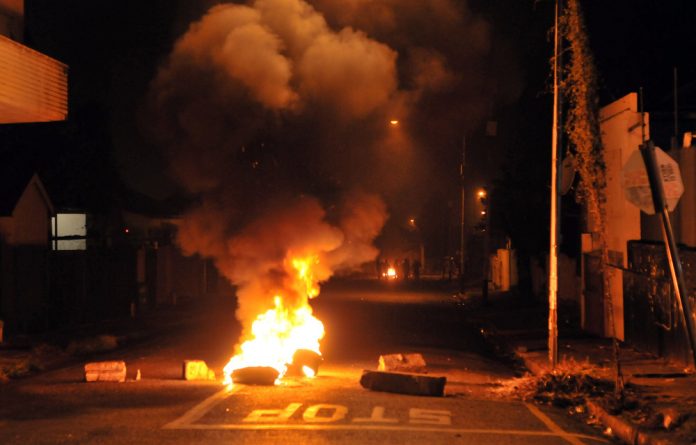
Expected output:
{"points": [[394, 122]]}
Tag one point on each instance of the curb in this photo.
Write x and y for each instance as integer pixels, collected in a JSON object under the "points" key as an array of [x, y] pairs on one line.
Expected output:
{"points": [[623, 430]]}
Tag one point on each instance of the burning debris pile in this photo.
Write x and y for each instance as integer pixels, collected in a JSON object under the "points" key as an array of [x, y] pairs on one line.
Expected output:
{"points": [[278, 335]]}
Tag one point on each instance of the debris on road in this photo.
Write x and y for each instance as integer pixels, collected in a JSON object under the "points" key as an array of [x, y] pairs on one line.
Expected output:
{"points": [[402, 363], [111, 371], [305, 362], [197, 370], [414, 384], [568, 386], [255, 375]]}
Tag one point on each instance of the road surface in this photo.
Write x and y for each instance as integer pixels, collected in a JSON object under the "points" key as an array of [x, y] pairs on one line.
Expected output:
{"points": [[363, 320]]}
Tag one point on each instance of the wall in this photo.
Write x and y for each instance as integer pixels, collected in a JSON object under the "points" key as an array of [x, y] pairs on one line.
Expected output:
{"points": [[24, 296], [91, 285], [12, 19], [32, 218], [686, 209], [620, 124]]}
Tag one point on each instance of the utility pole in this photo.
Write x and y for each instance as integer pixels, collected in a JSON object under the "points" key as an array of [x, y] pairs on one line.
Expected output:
{"points": [[483, 196], [675, 138], [462, 233], [555, 164]]}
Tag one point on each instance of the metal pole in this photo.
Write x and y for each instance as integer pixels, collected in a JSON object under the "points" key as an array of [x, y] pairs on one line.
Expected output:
{"points": [[658, 194], [676, 108], [461, 217], [486, 243], [553, 238]]}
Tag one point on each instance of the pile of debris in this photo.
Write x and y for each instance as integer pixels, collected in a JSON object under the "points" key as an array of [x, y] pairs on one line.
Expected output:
{"points": [[629, 417]]}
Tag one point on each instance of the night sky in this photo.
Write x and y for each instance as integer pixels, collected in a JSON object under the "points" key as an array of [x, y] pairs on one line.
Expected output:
{"points": [[458, 67]]}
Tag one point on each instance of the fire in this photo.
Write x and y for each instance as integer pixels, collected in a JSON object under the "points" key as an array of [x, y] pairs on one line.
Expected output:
{"points": [[279, 332], [303, 266], [390, 273]]}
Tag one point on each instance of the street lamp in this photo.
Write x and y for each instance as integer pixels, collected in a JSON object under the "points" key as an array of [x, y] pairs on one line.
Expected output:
{"points": [[482, 195]]}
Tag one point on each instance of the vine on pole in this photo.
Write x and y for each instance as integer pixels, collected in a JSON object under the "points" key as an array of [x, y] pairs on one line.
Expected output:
{"points": [[582, 127]]}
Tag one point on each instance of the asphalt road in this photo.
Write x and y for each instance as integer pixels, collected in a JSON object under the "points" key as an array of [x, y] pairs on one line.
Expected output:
{"points": [[362, 319]]}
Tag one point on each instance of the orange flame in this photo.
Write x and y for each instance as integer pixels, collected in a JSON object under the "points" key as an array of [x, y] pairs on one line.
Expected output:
{"points": [[280, 331]]}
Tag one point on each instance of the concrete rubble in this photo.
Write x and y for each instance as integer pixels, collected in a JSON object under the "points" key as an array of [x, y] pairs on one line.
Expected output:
{"points": [[109, 371], [197, 370], [402, 363]]}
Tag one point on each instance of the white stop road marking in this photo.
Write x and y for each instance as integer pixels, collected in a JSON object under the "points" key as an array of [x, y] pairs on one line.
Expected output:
{"points": [[334, 417]]}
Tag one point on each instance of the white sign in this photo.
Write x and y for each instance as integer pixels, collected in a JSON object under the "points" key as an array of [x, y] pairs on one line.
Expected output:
{"points": [[637, 186]]}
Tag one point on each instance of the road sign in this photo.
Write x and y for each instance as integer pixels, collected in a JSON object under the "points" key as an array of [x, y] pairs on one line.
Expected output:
{"points": [[567, 173], [637, 187]]}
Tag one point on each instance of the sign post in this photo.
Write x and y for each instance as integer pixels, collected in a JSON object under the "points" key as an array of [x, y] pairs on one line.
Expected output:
{"points": [[656, 188]]}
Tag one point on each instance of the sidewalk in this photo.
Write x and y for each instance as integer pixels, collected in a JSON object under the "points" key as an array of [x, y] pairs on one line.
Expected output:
{"points": [[660, 406], [25, 355]]}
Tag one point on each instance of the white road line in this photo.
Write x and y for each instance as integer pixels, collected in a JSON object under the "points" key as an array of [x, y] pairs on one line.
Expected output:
{"points": [[402, 428], [551, 425], [200, 410]]}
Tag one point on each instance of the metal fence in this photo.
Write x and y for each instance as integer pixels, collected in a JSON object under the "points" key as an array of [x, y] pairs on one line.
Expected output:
{"points": [[651, 312]]}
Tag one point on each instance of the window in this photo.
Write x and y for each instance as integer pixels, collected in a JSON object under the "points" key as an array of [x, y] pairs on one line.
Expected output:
{"points": [[69, 231]]}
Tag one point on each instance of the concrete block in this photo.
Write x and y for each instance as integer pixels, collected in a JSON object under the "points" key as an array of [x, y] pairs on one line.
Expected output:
{"points": [[197, 370], [419, 385], [255, 375], [111, 371], [402, 363]]}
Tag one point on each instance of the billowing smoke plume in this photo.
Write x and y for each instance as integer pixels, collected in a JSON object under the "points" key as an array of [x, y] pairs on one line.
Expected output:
{"points": [[233, 103], [274, 111], [258, 258]]}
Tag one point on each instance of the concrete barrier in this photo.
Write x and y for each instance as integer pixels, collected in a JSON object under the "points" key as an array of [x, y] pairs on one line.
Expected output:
{"points": [[112, 371], [197, 370], [402, 363]]}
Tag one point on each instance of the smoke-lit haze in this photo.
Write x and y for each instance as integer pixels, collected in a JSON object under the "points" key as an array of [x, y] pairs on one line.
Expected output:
{"points": [[274, 112]]}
